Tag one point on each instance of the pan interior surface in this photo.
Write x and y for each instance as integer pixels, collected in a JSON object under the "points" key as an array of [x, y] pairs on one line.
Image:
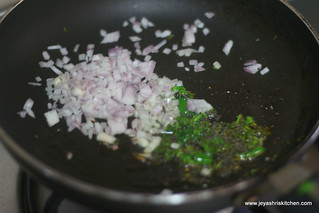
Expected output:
{"points": [[268, 31]]}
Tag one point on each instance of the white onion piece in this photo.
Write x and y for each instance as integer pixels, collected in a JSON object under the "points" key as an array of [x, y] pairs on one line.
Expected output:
{"points": [[56, 70], [149, 49], [81, 57], [38, 79], [54, 47], [76, 48], [206, 31], [65, 59], [22, 114], [125, 24], [227, 47], [111, 37], [146, 23], [185, 52], [105, 138], [46, 55], [147, 58], [216, 65], [198, 23], [189, 36], [89, 52], [68, 67], [161, 44], [199, 67], [63, 51], [135, 38], [209, 15], [52, 117], [153, 144], [59, 63], [198, 105], [180, 64], [167, 51], [27, 108], [162, 34], [36, 84], [137, 27], [48, 64], [103, 32], [201, 49], [193, 62], [253, 69], [132, 19], [264, 71], [250, 62]]}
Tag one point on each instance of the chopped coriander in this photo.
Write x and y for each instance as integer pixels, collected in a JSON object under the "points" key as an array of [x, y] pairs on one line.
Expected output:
{"points": [[208, 143]]}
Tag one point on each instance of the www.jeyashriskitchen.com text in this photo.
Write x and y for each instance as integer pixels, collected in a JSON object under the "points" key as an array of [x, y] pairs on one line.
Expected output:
{"points": [[277, 203]]}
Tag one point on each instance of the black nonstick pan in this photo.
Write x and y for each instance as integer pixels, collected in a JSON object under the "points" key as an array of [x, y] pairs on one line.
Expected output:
{"points": [[286, 98]]}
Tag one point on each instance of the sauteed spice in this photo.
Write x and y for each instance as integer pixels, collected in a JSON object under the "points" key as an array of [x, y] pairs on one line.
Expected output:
{"points": [[200, 142]]}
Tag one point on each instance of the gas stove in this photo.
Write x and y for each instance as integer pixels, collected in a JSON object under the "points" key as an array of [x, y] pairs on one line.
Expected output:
{"points": [[20, 193]]}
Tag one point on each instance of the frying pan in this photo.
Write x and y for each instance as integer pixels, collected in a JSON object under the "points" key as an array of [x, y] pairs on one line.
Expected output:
{"points": [[285, 98]]}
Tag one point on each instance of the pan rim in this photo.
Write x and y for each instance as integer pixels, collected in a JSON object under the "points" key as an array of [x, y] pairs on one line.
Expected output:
{"points": [[76, 184]]}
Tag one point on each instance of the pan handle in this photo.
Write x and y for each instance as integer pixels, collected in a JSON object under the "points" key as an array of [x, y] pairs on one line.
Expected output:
{"points": [[282, 181]]}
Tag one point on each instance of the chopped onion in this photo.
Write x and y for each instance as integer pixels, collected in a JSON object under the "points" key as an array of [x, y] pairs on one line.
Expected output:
{"points": [[253, 68], [162, 34], [228, 46], [180, 64], [193, 62], [199, 67], [105, 138], [250, 62], [161, 44], [146, 23], [36, 84], [175, 145], [54, 47], [38, 79], [134, 38], [56, 70], [209, 15], [103, 32], [46, 55], [82, 57], [147, 58], [198, 23], [27, 108], [264, 71], [111, 37], [63, 51], [198, 105], [137, 27], [125, 24], [76, 48], [201, 49], [59, 63], [52, 117], [113, 89], [167, 51], [189, 36], [48, 64], [186, 52], [65, 59], [216, 65]]}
